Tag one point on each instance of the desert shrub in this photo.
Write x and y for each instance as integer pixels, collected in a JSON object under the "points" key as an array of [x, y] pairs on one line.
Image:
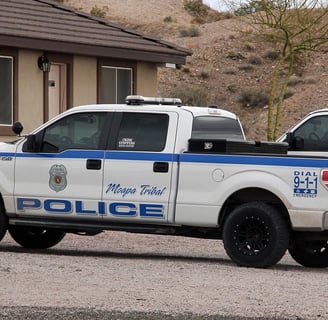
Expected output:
{"points": [[190, 32], [185, 69], [255, 60], [309, 80], [246, 68], [294, 80], [191, 96], [99, 12], [230, 71], [249, 47], [168, 19], [271, 54], [288, 94], [196, 8], [204, 74], [256, 6], [254, 97], [203, 14], [232, 87], [235, 55]]}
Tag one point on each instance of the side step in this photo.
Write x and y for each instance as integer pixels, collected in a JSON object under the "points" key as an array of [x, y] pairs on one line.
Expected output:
{"points": [[93, 227]]}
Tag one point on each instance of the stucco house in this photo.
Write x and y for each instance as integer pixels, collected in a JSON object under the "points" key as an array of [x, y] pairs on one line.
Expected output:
{"points": [[53, 57]]}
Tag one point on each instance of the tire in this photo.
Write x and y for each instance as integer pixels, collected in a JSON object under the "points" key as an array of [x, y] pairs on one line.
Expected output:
{"points": [[313, 254], [35, 238], [3, 222], [255, 235]]}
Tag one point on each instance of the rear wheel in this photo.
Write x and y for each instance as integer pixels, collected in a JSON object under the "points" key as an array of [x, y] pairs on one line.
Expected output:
{"points": [[313, 254], [35, 238], [255, 235], [3, 222]]}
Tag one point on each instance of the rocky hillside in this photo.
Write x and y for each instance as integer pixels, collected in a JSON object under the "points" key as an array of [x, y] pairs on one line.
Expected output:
{"points": [[228, 65]]}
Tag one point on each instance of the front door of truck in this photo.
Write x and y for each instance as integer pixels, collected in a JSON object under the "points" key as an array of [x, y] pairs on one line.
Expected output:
{"points": [[140, 167], [62, 177]]}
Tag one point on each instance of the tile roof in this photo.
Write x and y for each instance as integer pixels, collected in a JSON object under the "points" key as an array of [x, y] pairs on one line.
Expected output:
{"points": [[48, 26]]}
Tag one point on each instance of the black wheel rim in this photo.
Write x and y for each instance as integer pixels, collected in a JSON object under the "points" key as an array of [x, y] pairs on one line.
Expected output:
{"points": [[316, 247], [251, 236]]}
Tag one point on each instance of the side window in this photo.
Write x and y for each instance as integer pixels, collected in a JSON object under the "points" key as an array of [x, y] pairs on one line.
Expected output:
{"points": [[6, 90], [77, 131], [142, 132], [314, 133], [205, 127]]}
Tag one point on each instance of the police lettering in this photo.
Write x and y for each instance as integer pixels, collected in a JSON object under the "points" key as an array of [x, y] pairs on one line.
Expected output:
{"points": [[100, 208]]}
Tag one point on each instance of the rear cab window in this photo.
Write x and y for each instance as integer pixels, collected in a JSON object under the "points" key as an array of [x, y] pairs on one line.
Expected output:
{"points": [[209, 127]]}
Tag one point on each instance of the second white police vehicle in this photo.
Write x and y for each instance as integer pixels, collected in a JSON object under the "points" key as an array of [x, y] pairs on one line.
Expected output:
{"points": [[154, 166]]}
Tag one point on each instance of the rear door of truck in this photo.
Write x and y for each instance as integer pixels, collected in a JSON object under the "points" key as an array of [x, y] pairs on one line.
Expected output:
{"points": [[140, 167]]}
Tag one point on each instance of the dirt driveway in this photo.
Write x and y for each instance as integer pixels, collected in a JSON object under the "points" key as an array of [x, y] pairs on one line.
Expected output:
{"points": [[116, 275]]}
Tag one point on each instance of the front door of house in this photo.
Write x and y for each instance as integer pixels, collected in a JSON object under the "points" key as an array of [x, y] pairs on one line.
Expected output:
{"points": [[57, 90]]}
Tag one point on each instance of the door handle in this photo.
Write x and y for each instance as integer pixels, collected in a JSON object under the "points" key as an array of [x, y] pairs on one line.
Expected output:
{"points": [[93, 164], [161, 167]]}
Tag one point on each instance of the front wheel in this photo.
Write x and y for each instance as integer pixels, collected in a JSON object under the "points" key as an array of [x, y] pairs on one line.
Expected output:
{"points": [[35, 238], [255, 235], [313, 254], [3, 222]]}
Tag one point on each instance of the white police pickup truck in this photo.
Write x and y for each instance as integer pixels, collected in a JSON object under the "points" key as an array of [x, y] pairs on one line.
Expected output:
{"points": [[155, 166]]}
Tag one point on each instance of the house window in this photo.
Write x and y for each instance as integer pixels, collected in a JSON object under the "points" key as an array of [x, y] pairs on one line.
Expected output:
{"points": [[116, 84], [6, 90]]}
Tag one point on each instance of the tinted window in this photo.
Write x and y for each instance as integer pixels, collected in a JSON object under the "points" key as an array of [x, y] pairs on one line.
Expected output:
{"points": [[142, 132], [116, 84], [205, 127], [6, 90], [77, 131], [314, 132]]}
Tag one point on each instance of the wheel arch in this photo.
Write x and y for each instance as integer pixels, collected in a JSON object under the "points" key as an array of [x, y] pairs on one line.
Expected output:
{"points": [[250, 195]]}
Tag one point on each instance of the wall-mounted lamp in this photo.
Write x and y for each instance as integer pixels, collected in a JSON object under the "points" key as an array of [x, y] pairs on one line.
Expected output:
{"points": [[44, 64]]}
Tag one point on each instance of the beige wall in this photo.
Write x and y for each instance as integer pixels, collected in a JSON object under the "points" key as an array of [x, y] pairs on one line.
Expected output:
{"points": [[84, 86], [84, 81], [146, 79], [30, 90]]}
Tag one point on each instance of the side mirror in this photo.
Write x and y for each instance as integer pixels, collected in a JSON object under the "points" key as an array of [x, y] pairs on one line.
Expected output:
{"points": [[17, 128]]}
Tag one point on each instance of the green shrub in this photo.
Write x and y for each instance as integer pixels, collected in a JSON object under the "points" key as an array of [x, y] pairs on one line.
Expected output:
{"points": [[234, 55], [232, 87], [196, 8], [99, 12], [168, 19]]}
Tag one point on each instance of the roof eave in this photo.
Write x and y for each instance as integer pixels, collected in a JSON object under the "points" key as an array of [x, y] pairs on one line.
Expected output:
{"points": [[174, 56]]}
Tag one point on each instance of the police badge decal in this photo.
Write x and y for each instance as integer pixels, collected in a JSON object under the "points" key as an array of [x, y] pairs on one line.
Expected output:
{"points": [[57, 181]]}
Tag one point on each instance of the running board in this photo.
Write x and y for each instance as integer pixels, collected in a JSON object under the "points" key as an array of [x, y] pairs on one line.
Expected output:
{"points": [[95, 226]]}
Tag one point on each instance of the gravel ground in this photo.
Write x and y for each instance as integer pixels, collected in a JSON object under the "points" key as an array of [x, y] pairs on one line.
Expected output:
{"points": [[116, 275]]}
